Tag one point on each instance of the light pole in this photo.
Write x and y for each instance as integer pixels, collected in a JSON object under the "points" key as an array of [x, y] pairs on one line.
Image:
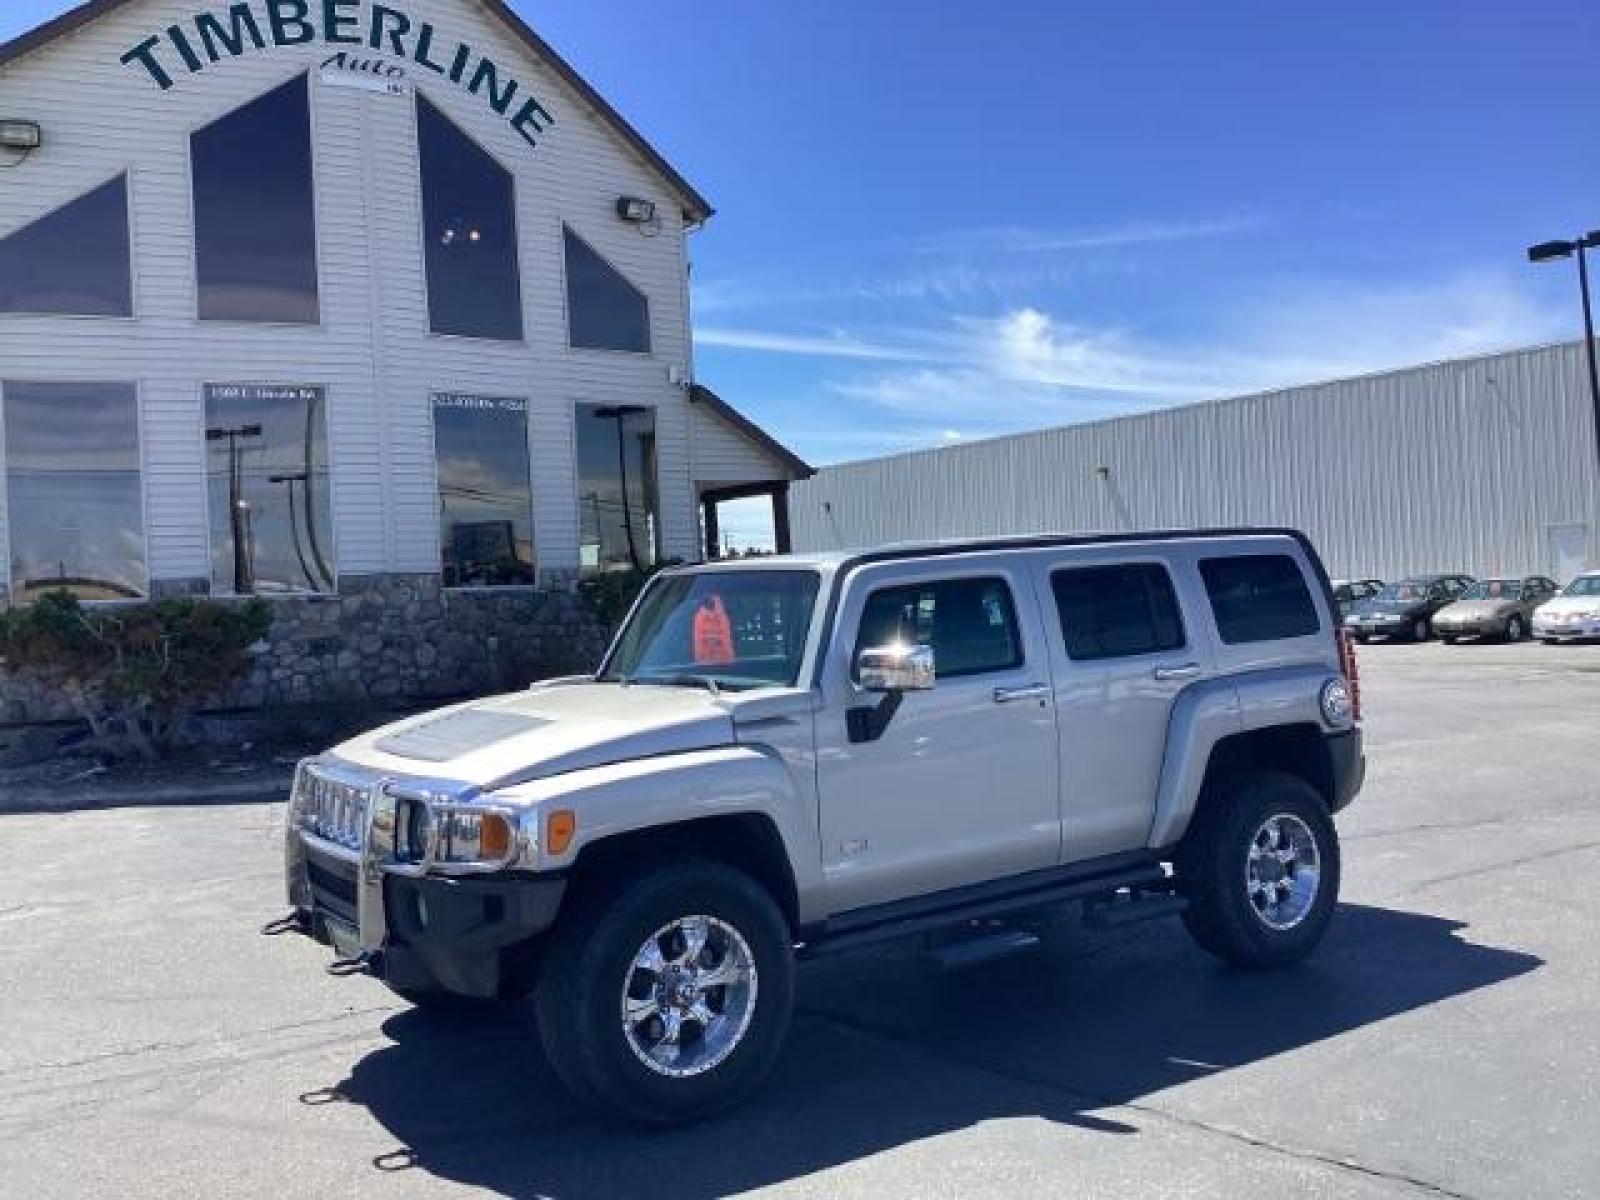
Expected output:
{"points": [[620, 413], [243, 580], [1545, 252]]}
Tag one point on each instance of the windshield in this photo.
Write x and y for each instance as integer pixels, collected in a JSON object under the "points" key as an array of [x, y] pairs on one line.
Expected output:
{"points": [[1494, 589], [732, 629], [1404, 590], [1583, 585]]}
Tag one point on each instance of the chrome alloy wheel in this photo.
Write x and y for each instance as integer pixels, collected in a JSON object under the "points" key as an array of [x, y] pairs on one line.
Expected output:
{"points": [[689, 995], [1283, 871]]}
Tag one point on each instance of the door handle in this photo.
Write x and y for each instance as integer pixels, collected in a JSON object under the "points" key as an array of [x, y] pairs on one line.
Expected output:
{"points": [[1030, 691], [1179, 671]]}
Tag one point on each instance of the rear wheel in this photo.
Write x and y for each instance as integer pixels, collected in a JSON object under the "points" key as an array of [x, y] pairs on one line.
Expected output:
{"points": [[1260, 869], [669, 999]]}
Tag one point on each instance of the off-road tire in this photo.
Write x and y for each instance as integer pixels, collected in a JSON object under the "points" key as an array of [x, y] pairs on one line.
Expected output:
{"points": [[578, 998], [1211, 870]]}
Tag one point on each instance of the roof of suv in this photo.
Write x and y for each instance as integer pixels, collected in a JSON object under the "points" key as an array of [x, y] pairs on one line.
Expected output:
{"points": [[977, 545]]}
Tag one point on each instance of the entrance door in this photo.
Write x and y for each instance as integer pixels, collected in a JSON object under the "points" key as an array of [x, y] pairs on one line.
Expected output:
{"points": [[960, 787]]}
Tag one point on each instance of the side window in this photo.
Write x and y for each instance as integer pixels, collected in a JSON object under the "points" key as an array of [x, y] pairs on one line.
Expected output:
{"points": [[1258, 598], [970, 623], [1118, 611]]}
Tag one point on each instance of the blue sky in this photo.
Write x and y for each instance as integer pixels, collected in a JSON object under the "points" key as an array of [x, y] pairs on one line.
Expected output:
{"points": [[941, 222]]}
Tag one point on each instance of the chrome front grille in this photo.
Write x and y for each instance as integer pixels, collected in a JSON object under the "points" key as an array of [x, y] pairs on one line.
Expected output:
{"points": [[333, 809]]}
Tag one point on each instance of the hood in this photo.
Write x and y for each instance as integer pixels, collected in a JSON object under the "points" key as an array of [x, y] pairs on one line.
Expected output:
{"points": [[502, 740], [1567, 604], [1478, 610]]}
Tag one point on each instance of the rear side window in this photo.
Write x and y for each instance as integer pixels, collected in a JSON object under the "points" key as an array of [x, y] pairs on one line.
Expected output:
{"points": [[1116, 612], [1259, 598], [970, 623]]}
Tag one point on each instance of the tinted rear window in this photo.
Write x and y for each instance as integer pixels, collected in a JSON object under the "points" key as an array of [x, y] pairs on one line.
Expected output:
{"points": [[1118, 611], [1258, 598]]}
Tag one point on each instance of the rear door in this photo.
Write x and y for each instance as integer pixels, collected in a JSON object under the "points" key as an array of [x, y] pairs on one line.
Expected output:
{"points": [[1121, 651], [960, 786]]}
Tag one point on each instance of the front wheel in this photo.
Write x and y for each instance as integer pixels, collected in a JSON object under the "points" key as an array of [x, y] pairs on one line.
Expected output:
{"points": [[1515, 629], [1260, 869], [1419, 630], [668, 1000]]}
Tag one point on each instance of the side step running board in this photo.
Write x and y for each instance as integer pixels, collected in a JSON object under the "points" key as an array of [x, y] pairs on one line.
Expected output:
{"points": [[1145, 876], [1115, 914]]}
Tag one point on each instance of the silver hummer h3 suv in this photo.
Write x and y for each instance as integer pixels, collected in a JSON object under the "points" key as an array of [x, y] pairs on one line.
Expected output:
{"points": [[810, 753]]}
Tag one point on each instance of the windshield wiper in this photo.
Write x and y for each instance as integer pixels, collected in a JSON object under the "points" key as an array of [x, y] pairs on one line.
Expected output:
{"points": [[682, 680]]}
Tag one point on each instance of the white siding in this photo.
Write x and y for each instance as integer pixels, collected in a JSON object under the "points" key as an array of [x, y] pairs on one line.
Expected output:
{"points": [[724, 456], [372, 350], [1458, 465]]}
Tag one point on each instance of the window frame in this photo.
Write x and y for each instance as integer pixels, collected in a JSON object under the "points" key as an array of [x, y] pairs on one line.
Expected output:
{"points": [[1013, 623], [533, 498], [126, 173], [317, 214], [563, 226], [1320, 621], [1159, 564], [524, 338], [333, 491], [12, 594]]}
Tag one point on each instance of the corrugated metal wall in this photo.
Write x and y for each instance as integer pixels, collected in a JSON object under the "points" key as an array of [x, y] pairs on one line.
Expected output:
{"points": [[1482, 465]]}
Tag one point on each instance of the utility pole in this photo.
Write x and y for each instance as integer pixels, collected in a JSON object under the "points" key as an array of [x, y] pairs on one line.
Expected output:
{"points": [[243, 573]]}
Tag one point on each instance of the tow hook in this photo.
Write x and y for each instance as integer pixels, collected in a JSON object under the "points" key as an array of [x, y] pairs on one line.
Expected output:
{"points": [[294, 922], [365, 963]]}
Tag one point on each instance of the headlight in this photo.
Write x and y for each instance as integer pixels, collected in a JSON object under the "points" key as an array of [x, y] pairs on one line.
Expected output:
{"points": [[458, 837], [1336, 705]]}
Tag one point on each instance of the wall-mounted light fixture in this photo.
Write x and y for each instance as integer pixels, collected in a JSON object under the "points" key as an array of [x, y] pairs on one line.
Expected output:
{"points": [[1103, 472], [635, 210], [21, 138]]}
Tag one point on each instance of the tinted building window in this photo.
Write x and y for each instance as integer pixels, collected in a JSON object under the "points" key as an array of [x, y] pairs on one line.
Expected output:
{"points": [[470, 233], [1258, 597], [74, 261], [1117, 611], [485, 493], [72, 485], [604, 310], [970, 623], [618, 507], [267, 482], [255, 226]]}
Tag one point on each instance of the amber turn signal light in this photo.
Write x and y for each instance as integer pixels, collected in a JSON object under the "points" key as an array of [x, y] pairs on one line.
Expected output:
{"points": [[558, 830]]}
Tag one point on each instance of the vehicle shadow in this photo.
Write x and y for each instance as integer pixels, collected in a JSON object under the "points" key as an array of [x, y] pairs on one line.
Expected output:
{"points": [[888, 1050]]}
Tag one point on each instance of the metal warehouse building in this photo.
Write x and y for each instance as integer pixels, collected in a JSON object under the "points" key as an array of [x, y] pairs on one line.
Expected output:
{"points": [[1481, 465], [378, 310]]}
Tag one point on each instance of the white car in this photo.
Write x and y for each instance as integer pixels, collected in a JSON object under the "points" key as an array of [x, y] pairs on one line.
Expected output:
{"points": [[1574, 613]]}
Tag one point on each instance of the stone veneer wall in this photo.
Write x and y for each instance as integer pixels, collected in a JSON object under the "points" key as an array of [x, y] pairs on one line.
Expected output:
{"points": [[394, 638]]}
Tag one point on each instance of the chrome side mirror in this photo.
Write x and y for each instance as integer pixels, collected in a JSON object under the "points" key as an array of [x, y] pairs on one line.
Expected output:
{"points": [[896, 668]]}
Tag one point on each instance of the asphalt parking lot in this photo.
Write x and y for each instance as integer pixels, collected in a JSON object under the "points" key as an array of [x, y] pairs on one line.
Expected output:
{"points": [[1445, 1041]]}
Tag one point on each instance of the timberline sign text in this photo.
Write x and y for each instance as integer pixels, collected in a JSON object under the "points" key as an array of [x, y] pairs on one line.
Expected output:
{"points": [[257, 24]]}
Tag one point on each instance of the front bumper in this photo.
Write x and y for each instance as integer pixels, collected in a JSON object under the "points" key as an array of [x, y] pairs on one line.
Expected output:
{"points": [[416, 929], [1399, 627], [420, 933], [1548, 628]]}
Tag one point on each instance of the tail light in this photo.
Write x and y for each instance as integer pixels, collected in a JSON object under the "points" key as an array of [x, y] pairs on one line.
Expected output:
{"points": [[1350, 668]]}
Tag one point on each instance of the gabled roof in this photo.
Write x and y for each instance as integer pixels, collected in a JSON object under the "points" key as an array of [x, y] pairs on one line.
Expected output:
{"points": [[695, 206], [701, 394]]}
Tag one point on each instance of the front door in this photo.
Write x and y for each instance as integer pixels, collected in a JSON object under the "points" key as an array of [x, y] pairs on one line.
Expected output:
{"points": [[1122, 654], [960, 785]]}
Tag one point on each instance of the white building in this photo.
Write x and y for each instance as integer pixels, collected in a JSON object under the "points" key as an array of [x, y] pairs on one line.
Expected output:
{"points": [[307, 297], [1483, 465]]}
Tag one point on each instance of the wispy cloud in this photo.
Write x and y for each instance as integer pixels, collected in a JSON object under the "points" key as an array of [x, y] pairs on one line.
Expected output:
{"points": [[1015, 239], [973, 375]]}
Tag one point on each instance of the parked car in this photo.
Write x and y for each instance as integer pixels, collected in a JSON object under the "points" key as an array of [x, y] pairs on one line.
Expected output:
{"points": [[907, 740], [1405, 609], [1575, 613], [1500, 608], [1347, 593]]}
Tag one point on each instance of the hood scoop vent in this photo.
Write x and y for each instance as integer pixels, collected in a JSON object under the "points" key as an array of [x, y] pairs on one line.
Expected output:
{"points": [[454, 734]]}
